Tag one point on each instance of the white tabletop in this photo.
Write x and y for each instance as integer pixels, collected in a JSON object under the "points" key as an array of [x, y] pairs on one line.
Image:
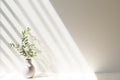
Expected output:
{"points": [[66, 76]]}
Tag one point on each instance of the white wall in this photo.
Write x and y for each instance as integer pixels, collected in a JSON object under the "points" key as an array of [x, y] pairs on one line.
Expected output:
{"points": [[95, 26]]}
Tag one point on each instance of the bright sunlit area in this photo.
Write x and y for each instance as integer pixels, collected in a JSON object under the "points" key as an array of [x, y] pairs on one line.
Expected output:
{"points": [[36, 45]]}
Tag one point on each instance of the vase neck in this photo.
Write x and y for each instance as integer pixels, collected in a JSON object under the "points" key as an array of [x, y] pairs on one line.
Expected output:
{"points": [[29, 61]]}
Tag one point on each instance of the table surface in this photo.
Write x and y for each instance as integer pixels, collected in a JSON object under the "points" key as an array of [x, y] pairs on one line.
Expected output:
{"points": [[68, 76]]}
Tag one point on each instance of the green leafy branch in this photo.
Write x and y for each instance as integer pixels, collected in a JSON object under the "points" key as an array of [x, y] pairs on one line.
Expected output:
{"points": [[26, 48]]}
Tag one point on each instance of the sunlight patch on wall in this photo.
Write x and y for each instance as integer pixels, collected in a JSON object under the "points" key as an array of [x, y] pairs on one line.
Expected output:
{"points": [[59, 54]]}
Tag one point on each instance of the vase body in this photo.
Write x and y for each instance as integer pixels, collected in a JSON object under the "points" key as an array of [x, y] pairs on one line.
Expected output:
{"points": [[30, 69]]}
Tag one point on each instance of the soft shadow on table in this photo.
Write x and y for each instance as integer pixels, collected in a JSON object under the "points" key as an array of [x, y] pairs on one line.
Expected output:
{"points": [[41, 76]]}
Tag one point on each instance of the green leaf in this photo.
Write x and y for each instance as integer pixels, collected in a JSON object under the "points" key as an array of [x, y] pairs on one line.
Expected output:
{"points": [[26, 48], [12, 45], [28, 29]]}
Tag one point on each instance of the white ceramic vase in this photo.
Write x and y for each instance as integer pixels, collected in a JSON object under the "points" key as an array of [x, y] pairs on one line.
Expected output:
{"points": [[30, 69]]}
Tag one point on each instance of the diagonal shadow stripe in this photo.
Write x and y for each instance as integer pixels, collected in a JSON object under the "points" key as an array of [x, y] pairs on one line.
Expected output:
{"points": [[52, 21], [50, 32], [27, 17], [7, 44], [24, 12], [57, 29], [48, 14], [48, 29], [39, 63], [31, 23], [2, 63], [8, 33], [12, 25], [8, 57], [14, 15]]}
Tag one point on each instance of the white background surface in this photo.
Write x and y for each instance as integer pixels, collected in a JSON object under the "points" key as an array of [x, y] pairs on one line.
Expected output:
{"points": [[95, 27], [67, 76]]}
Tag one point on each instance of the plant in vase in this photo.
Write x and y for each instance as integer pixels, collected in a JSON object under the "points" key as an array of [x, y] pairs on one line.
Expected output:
{"points": [[27, 49]]}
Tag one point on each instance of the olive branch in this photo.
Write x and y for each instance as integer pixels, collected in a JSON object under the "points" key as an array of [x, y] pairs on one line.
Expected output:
{"points": [[26, 48]]}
